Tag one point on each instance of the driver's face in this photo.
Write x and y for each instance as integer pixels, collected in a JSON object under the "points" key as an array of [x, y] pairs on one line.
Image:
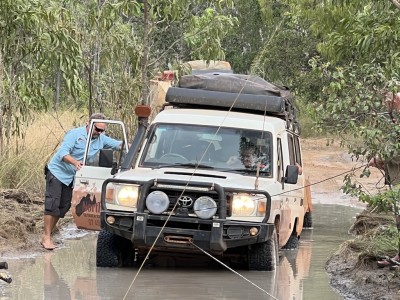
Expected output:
{"points": [[247, 158], [98, 128]]}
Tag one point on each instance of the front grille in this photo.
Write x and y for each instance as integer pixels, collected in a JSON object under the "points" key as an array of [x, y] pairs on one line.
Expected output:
{"points": [[186, 199]]}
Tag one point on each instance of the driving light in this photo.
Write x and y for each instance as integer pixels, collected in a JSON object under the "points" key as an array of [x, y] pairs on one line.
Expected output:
{"points": [[253, 231], [157, 202], [127, 195], [110, 220], [205, 207]]}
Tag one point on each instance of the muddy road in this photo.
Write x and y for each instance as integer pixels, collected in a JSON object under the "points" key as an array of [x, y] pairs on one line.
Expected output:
{"points": [[70, 271]]}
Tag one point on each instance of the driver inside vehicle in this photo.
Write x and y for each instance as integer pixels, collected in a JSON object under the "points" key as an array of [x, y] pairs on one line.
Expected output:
{"points": [[249, 159]]}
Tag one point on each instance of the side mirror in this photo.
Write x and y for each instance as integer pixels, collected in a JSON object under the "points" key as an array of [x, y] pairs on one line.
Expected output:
{"points": [[114, 169], [106, 158], [292, 174]]}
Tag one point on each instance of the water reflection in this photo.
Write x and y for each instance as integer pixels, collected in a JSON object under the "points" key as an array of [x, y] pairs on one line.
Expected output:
{"points": [[52, 283], [71, 273]]}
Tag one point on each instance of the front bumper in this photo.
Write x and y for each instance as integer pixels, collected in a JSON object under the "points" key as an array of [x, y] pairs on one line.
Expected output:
{"points": [[180, 234]]}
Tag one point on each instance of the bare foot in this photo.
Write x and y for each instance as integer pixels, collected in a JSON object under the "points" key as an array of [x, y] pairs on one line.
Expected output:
{"points": [[47, 243]]}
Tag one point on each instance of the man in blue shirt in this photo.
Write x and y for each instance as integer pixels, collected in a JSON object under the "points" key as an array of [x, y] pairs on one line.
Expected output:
{"points": [[62, 168]]}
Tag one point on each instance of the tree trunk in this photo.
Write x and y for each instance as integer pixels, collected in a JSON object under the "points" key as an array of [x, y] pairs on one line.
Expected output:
{"points": [[8, 113], [145, 84], [90, 87], [397, 215], [57, 93], [396, 3], [1, 106]]}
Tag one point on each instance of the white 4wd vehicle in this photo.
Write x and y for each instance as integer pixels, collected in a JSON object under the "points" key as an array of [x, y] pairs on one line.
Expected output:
{"points": [[218, 168]]}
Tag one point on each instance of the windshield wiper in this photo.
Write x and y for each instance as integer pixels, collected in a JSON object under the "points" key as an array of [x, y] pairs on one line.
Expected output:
{"points": [[237, 170], [191, 165], [246, 171]]}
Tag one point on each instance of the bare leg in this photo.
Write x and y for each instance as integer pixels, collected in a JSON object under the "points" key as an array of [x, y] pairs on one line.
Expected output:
{"points": [[49, 224]]}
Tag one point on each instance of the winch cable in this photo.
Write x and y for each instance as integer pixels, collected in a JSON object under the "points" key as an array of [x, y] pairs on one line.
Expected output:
{"points": [[326, 179], [232, 270], [303, 187], [321, 181], [183, 191], [155, 240], [205, 252]]}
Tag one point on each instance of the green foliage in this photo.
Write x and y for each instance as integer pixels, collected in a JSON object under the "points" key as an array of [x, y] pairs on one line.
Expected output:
{"points": [[36, 39], [207, 32], [93, 53], [387, 201], [244, 41], [357, 65]]}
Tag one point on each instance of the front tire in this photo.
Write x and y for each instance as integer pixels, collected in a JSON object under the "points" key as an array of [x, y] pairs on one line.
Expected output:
{"points": [[107, 255], [307, 223], [264, 256], [113, 251]]}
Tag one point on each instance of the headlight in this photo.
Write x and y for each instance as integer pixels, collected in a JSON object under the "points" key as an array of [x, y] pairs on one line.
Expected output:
{"points": [[205, 207], [123, 195], [128, 196], [247, 205], [157, 202]]}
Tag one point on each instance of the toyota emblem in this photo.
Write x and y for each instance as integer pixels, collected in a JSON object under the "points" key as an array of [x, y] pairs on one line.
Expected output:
{"points": [[185, 201]]}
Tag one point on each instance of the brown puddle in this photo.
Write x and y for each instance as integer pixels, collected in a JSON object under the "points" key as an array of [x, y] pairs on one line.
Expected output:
{"points": [[70, 273]]}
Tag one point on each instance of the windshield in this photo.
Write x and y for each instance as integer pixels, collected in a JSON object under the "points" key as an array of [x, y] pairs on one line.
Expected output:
{"points": [[226, 149]]}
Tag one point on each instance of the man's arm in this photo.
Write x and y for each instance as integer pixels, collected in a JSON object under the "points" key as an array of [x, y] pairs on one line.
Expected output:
{"points": [[64, 152], [110, 143], [69, 159]]}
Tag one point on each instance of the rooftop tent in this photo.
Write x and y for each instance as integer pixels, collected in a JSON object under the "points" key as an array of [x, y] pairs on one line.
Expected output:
{"points": [[231, 91], [233, 83]]}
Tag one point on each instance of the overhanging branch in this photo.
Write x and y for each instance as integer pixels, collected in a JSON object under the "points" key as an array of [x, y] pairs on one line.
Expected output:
{"points": [[396, 3]]}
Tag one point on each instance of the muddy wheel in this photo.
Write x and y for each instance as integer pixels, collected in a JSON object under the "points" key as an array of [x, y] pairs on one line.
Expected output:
{"points": [[307, 220], [264, 256], [292, 243], [107, 254], [114, 251]]}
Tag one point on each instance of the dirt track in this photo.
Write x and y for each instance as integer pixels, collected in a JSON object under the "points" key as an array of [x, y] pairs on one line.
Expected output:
{"points": [[326, 167], [21, 216], [321, 164]]}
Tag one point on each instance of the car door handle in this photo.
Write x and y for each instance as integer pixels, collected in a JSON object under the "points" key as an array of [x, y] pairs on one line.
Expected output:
{"points": [[84, 181]]}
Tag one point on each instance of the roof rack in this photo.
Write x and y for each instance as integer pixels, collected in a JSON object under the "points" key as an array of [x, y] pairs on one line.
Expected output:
{"points": [[235, 92]]}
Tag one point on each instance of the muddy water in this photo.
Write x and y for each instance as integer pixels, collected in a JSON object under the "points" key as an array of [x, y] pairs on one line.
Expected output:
{"points": [[70, 273]]}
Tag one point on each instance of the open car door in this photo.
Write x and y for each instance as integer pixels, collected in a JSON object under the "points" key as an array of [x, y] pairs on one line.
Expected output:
{"points": [[86, 196]]}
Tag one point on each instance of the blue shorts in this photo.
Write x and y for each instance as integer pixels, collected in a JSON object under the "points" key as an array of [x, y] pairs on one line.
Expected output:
{"points": [[57, 197]]}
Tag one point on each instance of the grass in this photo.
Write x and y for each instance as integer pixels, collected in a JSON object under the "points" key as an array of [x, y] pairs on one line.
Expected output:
{"points": [[375, 235], [21, 165]]}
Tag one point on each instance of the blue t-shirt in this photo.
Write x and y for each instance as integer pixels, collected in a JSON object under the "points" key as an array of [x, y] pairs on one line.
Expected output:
{"points": [[74, 144]]}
